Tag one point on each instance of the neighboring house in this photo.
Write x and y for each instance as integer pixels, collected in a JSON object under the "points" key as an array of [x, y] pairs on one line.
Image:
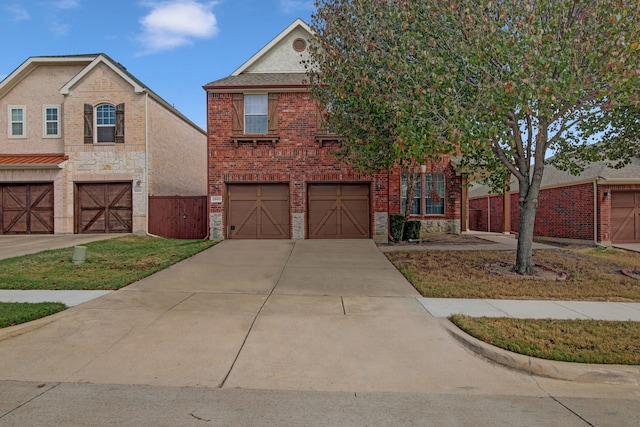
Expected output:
{"points": [[601, 205], [83, 144], [271, 169]]}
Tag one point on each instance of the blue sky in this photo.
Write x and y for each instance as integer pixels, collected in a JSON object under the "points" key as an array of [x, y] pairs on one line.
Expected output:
{"points": [[173, 46]]}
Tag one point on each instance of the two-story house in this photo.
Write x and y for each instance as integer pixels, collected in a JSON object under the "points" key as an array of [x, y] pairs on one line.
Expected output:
{"points": [[271, 172], [83, 144]]}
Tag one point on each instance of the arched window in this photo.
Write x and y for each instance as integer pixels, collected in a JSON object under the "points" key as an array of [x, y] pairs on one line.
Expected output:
{"points": [[106, 123]]}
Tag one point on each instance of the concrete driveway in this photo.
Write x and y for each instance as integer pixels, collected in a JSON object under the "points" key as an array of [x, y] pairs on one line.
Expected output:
{"points": [[329, 315]]}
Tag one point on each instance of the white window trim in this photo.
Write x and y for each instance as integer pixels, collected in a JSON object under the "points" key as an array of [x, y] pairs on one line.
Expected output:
{"points": [[10, 121], [44, 121], [96, 125]]}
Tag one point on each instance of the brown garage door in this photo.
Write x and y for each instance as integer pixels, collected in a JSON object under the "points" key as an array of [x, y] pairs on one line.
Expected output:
{"points": [[625, 217], [258, 211], [103, 207], [338, 211], [26, 208]]}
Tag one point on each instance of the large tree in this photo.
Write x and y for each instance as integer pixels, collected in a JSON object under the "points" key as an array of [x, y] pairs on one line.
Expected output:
{"points": [[504, 83]]}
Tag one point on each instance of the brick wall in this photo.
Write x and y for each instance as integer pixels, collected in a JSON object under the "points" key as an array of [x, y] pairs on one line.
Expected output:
{"points": [[297, 159], [563, 212]]}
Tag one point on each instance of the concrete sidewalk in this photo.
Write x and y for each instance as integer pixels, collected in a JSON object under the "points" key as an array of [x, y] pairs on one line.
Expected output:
{"points": [[437, 307], [527, 309]]}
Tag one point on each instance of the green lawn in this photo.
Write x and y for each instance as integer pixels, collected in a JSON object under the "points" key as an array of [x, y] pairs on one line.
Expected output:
{"points": [[110, 264], [14, 313]]}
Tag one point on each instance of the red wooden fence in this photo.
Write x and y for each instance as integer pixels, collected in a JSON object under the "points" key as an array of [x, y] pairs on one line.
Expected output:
{"points": [[178, 217]]}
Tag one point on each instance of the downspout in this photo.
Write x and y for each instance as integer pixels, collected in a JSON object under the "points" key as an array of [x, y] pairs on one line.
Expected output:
{"points": [[595, 211], [488, 213], [146, 160]]}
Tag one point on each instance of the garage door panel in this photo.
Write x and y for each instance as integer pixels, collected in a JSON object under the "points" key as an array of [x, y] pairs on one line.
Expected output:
{"points": [[625, 217], [258, 211], [338, 211], [105, 207], [26, 208]]}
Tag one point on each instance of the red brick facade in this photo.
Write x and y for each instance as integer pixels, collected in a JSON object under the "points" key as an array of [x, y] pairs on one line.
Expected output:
{"points": [[298, 159], [567, 212], [292, 151]]}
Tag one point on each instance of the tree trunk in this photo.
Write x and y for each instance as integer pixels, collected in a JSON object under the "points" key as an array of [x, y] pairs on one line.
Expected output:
{"points": [[411, 191], [528, 205]]}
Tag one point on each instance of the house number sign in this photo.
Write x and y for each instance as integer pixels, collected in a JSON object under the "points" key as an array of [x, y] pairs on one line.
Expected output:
{"points": [[216, 199]]}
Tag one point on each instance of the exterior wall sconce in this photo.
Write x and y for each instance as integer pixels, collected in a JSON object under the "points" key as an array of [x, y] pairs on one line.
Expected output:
{"points": [[378, 185], [607, 194], [423, 168]]}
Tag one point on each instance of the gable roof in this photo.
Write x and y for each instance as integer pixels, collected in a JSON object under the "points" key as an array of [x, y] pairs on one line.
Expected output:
{"points": [[116, 67], [90, 62], [276, 65], [298, 23]]}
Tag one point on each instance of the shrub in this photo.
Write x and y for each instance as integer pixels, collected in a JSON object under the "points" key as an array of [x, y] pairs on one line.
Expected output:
{"points": [[397, 226], [412, 230]]}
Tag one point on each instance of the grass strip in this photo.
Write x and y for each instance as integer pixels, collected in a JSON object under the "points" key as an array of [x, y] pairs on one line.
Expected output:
{"points": [[110, 264], [583, 341], [14, 313]]}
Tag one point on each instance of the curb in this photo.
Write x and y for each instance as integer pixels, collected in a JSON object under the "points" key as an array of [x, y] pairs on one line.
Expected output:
{"points": [[23, 328], [568, 371]]}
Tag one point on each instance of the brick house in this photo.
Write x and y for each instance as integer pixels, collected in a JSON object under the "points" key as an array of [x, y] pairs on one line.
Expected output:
{"points": [[271, 173], [83, 143], [601, 205]]}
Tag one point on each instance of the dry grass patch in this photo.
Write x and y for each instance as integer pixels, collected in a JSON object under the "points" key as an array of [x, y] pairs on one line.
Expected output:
{"points": [[584, 341], [593, 274]]}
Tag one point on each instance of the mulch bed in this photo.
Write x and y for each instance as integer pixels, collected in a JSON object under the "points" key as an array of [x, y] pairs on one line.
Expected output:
{"points": [[540, 271]]}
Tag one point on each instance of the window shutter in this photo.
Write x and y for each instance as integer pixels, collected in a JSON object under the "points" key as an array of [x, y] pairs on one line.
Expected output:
{"points": [[238, 114], [273, 113], [120, 124], [88, 124]]}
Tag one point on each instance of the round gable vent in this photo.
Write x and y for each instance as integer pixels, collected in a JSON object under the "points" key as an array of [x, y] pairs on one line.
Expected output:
{"points": [[299, 45]]}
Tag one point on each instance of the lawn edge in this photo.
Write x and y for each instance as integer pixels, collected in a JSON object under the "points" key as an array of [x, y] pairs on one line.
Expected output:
{"points": [[569, 371], [23, 328]]}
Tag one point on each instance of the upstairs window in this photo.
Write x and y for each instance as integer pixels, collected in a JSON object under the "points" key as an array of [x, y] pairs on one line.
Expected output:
{"points": [[255, 114], [256, 118], [51, 121], [17, 123], [108, 124]]}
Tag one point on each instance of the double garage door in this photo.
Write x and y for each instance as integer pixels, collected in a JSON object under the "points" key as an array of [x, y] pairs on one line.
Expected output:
{"points": [[262, 211], [625, 217], [99, 208]]}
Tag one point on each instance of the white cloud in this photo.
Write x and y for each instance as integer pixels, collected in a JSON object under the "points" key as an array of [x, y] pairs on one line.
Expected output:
{"points": [[65, 4], [19, 13], [175, 23], [58, 28], [292, 6]]}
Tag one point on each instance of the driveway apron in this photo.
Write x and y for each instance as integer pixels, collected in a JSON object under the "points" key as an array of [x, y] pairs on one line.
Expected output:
{"points": [[330, 315]]}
